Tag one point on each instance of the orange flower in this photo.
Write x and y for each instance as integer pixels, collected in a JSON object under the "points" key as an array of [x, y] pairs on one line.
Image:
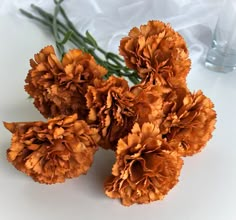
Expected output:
{"points": [[156, 48], [144, 170], [188, 122], [111, 107], [149, 100], [59, 88], [52, 151], [45, 68]]}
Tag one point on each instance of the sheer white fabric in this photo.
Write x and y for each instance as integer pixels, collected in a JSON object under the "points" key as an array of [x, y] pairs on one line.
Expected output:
{"points": [[109, 20]]}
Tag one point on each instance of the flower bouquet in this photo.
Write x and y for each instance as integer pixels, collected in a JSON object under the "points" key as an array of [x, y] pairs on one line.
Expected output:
{"points": [[140, 107]]}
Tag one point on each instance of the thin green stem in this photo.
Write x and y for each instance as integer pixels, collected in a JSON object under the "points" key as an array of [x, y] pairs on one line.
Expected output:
{"points": [[112, 62], [112, 56], [31, 16], [64, 27], [60, 46]]}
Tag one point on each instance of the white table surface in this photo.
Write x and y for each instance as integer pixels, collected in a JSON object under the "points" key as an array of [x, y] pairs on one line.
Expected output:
{"points": [[207, 187]]}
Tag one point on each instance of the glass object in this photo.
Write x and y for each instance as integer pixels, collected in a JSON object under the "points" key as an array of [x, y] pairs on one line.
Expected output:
{"points": [[221, 55]]}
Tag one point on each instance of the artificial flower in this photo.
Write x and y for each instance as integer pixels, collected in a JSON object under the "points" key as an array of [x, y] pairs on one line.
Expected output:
{"points": [[156, 48], [112, 107], [144, 170], [59, 88], [149, 100], [188, 122], [52, 151]]}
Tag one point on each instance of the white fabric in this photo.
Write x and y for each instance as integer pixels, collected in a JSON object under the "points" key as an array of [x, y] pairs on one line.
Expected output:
{"points": [[109, 20]]}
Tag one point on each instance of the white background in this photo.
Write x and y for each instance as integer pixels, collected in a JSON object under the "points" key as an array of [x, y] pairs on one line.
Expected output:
{"points": [[206, 189]]}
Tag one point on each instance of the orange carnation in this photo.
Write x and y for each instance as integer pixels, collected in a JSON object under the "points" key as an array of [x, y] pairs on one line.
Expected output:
{"points": [[188, 122], [59, 88], [144, 170], [52, 151], [156, 48], [112, 107]]}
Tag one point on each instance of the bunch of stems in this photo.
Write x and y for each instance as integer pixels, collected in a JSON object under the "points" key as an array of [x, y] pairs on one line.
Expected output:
{"points": [[64, 31]]}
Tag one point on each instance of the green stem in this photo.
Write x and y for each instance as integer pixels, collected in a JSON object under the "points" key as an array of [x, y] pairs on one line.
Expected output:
{"points": [[108, 55], [60, 46], [112, 62]]}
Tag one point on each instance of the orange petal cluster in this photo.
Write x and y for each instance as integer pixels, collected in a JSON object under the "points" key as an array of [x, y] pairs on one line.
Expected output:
{"points": [[149, 101], [59, 88], [188, 122], [144, 170], [186, 119], [52, 151], [156, 48], [112, 107]]}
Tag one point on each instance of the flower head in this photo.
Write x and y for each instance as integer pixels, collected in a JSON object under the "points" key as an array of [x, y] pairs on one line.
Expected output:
{"points": [[149, 99], [144, 170], [156, 48], [52, 151], [59, 88], [188, 122], [112, 107]]}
